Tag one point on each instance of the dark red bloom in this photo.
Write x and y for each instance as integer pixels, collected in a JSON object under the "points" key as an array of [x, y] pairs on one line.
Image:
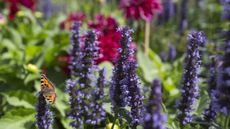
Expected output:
{"points": [[108, 38], [140, 9], [72, 17], [14, 6]]}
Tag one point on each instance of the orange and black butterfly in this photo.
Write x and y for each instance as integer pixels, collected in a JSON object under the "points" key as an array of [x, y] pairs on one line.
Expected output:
{"points": [[47, 89]]}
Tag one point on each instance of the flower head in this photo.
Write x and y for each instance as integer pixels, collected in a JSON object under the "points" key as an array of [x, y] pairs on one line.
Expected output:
{"points": [[154, 119], [140, 9], [44, 117], [109, 37], [189, 83], [14, 6]]}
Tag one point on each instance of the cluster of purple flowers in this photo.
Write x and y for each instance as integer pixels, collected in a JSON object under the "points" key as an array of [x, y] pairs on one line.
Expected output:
{"points": [[44, 116], [84, 101], [209, 113], [221, 95], [154, 119], [183, 15], [168, 11], [226, 9], [125, 89], [190, 90]]}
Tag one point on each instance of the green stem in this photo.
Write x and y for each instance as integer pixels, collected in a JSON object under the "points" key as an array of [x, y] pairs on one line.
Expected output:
{"points": [[147, 35], [115, 118], [226, 123]]}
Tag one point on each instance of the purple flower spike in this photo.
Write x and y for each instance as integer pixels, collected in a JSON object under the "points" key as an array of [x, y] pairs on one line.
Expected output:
{"points": [[81, 86], [44, 116], [154, 119], [190, 90], [210, 113], [75, 51], [221, 96], [75, 102], [135, 99], [119, 89], [226, 9], [98, 114]]}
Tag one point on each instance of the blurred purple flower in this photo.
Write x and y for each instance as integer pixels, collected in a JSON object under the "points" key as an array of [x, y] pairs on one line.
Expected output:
{"points": [[226, 9], [183, 15], [140, 9], [154, 119], [190, 90], [221, 96], [210, 113], [44, 117], [171, 52], [169, 11]]}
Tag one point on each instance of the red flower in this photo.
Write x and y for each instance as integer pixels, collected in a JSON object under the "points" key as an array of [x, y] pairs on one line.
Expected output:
{"points": [[108, 38], [72, 17], [140, 9], [14, 6]]}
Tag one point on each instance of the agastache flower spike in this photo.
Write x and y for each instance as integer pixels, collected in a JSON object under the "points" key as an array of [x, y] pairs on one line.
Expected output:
{"points": [[190, 90], [75, 51], [183, 13], [86, 79], [98, 114], [210, 113], [154, 119], [135, 99], [44, 116], [75, 102], [226, 9], [118, 90], [221, 96], [80, 86], [168, 11]]}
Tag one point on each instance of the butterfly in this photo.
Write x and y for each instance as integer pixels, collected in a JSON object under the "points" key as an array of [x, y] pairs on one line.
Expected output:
{"points": [[47, 89]]}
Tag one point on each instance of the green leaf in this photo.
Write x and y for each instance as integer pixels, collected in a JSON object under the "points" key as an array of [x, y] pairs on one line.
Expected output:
{"points": [[31, 77], [17, 119], [32, 51], [20, 99], [148, 68]]}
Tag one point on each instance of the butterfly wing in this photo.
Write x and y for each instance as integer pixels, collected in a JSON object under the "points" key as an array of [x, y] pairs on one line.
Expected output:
{"points": [[47, 89], [50, 96], [46, 83]]}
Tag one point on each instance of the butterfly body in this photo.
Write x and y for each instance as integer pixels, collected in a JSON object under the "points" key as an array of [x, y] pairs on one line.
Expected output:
{"points": [[47, 89]]}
